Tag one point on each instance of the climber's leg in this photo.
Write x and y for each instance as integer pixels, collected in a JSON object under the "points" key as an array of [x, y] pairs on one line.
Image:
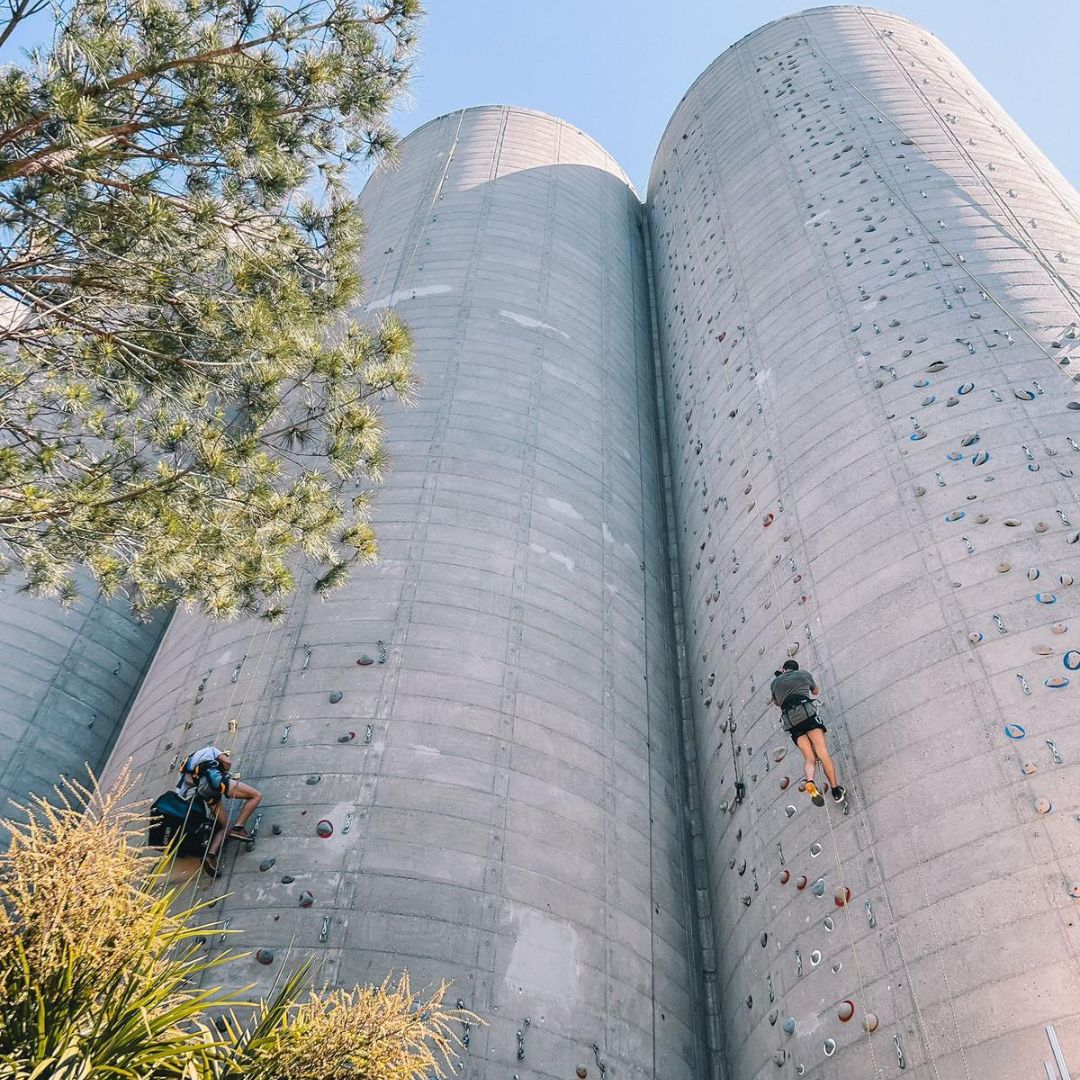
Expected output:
{"points": [[810, 763], [821, 752], [251, 797]]}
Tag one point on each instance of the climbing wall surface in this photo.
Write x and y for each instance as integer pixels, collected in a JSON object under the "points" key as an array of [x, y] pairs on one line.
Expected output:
{"points": [[866, 278], [469, 756], [67, 677]]}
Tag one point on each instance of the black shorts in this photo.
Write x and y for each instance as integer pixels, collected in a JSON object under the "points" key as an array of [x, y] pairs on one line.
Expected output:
{"points": [[804, 726]]}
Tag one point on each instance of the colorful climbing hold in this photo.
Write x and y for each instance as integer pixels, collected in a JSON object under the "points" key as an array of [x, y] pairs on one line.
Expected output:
{"points": [[1043, 805], [347, 737], [981, 458], [306, 899], [842, 896], [785, 876], [1056, 682], [1029, 768], [1015, 731], [954, 515], [1024, 395], [801, 882], [870, 1023], [846, 1010], [1046, 598], [965, 388], [324, 828]]}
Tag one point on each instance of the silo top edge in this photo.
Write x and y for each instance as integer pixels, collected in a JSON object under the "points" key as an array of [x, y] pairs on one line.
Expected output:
{"points": [[525, 110], [823, 10]]}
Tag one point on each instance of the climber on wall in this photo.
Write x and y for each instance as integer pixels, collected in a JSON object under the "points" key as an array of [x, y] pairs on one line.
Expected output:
{"points": [[793, 691], [205, 774]]}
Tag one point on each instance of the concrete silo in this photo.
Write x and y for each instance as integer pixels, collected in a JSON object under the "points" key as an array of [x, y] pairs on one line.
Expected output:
{"points": [[487, 720], [866, 278], [67, 676]]}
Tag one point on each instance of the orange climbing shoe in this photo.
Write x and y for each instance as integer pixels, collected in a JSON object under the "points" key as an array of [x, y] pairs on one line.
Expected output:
{"points": [[815, 796]]}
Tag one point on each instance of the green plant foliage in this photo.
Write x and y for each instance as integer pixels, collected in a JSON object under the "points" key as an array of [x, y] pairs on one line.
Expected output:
{"points": [[185, 408], [101, 962]]}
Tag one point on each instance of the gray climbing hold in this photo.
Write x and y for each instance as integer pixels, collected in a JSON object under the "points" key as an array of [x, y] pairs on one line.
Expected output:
{"points": [[1033, 573], [1074, 405], [780, 1058], [937, 365], [365, 660], [789, 1025], [335, 696], [347, 737], [287, 879], [265, 956], [819, 887], [1024, 395], [313, 779], [266, 864], [275, 829], [1012, 523], [970, 439], [306, 899]]}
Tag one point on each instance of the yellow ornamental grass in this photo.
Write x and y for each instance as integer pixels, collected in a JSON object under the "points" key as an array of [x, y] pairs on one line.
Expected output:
{"points": [[103, 974]]}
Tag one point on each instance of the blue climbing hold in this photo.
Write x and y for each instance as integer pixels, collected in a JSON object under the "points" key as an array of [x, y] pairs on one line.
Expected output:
{"points": [[981, 458], [917, 435], [1056, 682], [1015, 731], [965, 388], [1071, 660], [956, 515], [954, 455], [1046, 598]]}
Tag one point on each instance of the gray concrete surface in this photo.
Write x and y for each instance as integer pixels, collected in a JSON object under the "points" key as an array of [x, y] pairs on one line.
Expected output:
{"points": [[67, 677], [511, 811], [847, 228]]}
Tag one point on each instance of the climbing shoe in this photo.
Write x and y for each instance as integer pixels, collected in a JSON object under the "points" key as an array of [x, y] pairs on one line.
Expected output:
{"points": [[839, 793], [815, 796], [238, 832]]}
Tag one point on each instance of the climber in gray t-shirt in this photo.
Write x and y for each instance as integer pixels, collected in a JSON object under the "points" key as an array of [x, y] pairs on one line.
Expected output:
{"points": [[793, 690]]}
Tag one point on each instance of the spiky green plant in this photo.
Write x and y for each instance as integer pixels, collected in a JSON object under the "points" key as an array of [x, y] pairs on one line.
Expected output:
{"points": [[100, 960]]}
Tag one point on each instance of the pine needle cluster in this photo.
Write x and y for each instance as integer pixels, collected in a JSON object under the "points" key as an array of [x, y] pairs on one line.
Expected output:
{"points": [[185, 408]]}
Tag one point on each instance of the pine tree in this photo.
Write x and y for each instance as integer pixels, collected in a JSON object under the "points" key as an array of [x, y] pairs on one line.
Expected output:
{"points": [[185, 409]]}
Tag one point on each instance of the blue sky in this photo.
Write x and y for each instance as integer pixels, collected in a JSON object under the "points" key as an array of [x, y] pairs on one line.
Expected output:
{"points": [[617, 68]]}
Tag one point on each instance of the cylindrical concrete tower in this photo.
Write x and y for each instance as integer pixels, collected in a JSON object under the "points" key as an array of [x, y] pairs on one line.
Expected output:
{"points": [[67, 676], [486, 719], [867, 284]]}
